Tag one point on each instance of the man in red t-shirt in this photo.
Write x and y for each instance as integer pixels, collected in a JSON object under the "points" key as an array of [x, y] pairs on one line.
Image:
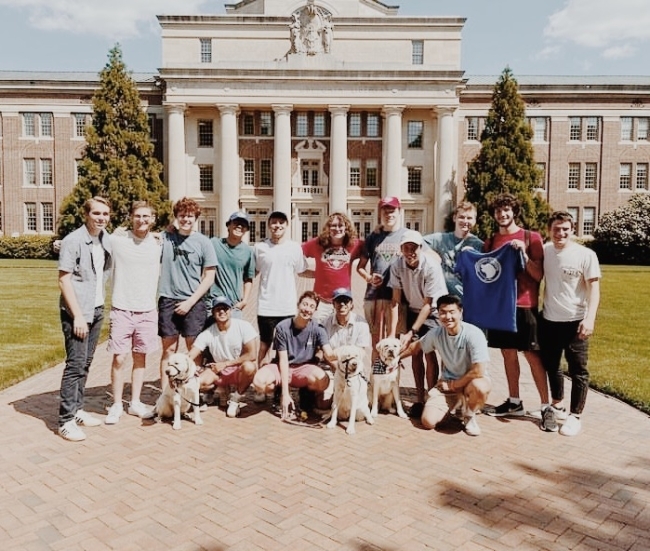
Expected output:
{"points": [[505, 208]]}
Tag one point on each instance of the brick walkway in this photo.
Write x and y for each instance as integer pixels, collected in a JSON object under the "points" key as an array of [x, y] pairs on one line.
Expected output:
{"points": [[254, 483]]}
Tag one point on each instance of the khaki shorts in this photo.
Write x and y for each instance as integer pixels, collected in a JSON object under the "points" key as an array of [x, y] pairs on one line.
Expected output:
{"points": [[377, 314]]}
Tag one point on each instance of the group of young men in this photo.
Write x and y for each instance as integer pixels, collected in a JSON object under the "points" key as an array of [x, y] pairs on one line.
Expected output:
{"points": [[415, 289]]}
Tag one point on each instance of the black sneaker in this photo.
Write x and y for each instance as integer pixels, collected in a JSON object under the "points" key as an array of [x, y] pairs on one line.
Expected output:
{"points": [[508, 409], [416, 410], [548, 423]]}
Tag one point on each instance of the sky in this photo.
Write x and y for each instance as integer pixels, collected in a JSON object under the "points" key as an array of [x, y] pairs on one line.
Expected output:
{"points": [[532, 37]]}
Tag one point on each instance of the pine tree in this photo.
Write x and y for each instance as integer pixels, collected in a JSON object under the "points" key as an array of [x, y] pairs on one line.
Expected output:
{"points": [[506, 163], [118, 162]]}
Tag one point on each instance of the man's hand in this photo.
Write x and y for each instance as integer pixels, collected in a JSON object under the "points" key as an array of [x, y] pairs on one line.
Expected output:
{"points": [[80, 328], [445, 387], [182, 308], [287, 405], [585, 330]]}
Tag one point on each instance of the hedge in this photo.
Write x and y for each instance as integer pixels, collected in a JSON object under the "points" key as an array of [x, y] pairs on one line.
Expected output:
{"points": [[27, 246]]}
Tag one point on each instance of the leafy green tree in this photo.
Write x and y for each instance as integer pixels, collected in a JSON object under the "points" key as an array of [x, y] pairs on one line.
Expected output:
{"points": [[506, 163], [118, 162], [623, 235]]}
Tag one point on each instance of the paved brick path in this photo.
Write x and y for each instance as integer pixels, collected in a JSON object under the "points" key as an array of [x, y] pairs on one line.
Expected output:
{"points": [[254, 483]]}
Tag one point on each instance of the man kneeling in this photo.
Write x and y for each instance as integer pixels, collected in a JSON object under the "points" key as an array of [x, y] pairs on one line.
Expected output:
{"points": [[233, 346], [464, 380]]}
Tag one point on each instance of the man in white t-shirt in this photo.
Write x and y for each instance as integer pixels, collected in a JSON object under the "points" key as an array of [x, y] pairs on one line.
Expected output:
{"points": [[571, 297], [134, 317], [232, 344], [278, 260]]}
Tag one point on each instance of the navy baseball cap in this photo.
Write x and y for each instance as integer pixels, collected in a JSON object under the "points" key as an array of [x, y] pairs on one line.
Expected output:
{"points": [[239, 216], [341, 292], [221, 300]]}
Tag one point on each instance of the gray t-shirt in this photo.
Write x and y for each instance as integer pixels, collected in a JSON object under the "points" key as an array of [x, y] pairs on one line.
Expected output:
{"points": [[183, 260]]}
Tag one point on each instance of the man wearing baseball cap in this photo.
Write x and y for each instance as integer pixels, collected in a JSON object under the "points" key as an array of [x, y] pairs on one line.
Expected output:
{"points": [[234, 278], [344, 327], [232, 344], [419, 278], [380, 249]]}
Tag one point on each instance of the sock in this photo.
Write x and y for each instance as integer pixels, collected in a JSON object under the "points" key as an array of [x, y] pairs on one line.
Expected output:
{"points": [[515, 401]]}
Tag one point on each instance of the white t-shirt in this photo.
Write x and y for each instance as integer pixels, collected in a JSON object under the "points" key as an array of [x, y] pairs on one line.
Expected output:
{"points": [[226, 345], [136, 268], [98, 264], [278, 265], [566, 272]]}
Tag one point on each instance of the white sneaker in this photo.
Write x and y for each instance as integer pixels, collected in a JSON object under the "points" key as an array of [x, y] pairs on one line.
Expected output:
{"points": [[114, 414], [233, 405], [84, 418], [571, 427], [138, 409], [471, 426], [259, 398], [70, 431]]}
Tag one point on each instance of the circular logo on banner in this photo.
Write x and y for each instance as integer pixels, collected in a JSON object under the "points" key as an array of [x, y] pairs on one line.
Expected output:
{"points": [[488, 269]]}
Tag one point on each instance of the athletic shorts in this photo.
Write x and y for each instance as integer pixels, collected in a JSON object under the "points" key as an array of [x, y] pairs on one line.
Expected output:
{"points": [[412, 315], [133, 332], [524, 339], [266, 326], [298, 374], [171, 324]]}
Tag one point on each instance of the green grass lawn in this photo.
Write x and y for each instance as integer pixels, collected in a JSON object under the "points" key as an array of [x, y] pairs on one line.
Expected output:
{"points": [[30, 331]]}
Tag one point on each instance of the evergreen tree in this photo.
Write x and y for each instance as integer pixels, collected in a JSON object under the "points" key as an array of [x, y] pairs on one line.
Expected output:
{"points": [[506, 163], [118, 161]]}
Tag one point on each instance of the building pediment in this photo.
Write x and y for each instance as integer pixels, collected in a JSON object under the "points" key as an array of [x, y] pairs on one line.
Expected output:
{"points": [[338, 8]]}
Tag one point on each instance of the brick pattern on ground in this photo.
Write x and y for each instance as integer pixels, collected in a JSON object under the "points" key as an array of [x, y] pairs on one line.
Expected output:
{"points": [[255, 483]]}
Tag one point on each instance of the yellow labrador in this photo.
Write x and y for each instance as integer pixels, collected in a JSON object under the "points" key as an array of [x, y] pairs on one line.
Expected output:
{"points": [[181, 393], [350, 398], [385, 378]]}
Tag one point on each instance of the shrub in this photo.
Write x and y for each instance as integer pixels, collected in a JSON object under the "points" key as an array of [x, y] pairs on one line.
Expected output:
{"points": [[27, 246], [623, 235]]}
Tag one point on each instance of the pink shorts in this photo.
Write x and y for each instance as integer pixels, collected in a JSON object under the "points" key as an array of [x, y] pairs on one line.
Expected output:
{"points": [[133, 331], [228, 376], [298, 374]]}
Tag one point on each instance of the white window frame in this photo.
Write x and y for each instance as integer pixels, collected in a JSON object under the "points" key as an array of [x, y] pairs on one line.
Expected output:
{"points": [[47, 173]]}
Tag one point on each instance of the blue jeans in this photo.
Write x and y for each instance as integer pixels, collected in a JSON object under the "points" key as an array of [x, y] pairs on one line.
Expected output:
{"points": [[555, 338], [79, 356]]}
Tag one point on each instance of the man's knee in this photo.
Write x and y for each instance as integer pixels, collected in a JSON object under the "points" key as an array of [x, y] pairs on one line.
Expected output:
{"points": [[435, 409]]}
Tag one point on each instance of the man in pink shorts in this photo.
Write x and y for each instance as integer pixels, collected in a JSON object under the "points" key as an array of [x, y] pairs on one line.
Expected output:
{"points": [[297, 340], [232, 343]]}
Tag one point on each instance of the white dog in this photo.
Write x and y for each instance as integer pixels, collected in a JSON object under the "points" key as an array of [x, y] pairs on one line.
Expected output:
{"points": [[385, 378], [181, 392], [350, 398]]}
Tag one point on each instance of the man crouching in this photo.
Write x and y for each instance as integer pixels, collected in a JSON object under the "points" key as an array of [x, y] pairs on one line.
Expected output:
{"points": [[464, 381]]}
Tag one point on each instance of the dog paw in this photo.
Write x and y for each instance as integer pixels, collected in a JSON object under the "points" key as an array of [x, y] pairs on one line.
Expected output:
{"points": [[351, 430], [176, 426], [374, 412], [402, 414], [370, 420], [198, 421], [331, 425]]}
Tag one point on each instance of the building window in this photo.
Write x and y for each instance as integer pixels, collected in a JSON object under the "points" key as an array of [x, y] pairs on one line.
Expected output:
{"points": [[417, 55], [29, 168], [79, 125], [371, 173], [47, 217], [206, 50], [266, 174], [642, 176], [541, 184], [30, 217], [539, 129], [472, 129], [593, 127], [319, 124], [29, 125], [310, 173], [151, 121], [414, 179], [206, 135], [46, 124], [266, 123], [355, 173], [642, 129], [625, 177], [588, 220], [248, 124], [591, 175], [414, 134], [575, 129], [626, 129], [574, 176], [355, 125], [302, 125], [574, 211], [249, 172], [47, 178], [372, 125], [206, 178]]}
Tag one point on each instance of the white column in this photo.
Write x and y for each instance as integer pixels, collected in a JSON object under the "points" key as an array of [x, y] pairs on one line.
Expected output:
{"points": [[445, 173], [176, 173], [338, 180], [392, 180], [229, 174], [282, 159]]}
